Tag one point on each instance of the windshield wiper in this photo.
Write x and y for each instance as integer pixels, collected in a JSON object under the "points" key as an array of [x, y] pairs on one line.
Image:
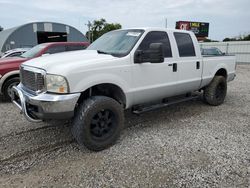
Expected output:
{"points": [[102, 52]]}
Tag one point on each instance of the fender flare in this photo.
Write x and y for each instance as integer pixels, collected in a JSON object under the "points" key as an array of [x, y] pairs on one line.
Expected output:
{"points": [[6, 76]]}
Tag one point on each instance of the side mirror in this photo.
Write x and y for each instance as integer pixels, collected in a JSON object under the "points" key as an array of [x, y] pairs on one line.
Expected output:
{"points": [[138, 56], [153, 55], [156, 54]]}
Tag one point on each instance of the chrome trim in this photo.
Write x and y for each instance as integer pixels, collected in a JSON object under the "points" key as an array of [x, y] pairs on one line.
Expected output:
{"points": [[48, 103], [35, 70], [22, 106]]}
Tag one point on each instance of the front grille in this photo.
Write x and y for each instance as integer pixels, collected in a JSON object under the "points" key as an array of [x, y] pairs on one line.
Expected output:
{"points": [[32, 80]]}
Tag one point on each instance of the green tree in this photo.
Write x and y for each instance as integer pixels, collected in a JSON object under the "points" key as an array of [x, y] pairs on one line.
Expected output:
{"points": [[209, 40], [226, 39], [99, 27], [1, 29], [239, 38], [247, 37]]}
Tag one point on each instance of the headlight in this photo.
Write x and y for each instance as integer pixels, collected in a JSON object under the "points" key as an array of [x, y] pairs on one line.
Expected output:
{"points": [[56, 84]]}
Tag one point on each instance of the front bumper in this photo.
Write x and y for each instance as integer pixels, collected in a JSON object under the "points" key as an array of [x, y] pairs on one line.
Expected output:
{"points": [[44, 106]]}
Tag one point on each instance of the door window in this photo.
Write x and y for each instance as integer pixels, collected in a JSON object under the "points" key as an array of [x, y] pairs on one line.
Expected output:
{"points": [[185, 44], [157, 37]]}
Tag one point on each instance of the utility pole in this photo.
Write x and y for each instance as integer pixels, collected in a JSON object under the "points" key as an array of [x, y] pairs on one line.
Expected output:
{"points": [[89, 30], [166, 23]]}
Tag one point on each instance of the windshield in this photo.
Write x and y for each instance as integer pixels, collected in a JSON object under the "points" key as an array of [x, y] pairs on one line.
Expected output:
{"points": [[118, 43], [33, 51]]}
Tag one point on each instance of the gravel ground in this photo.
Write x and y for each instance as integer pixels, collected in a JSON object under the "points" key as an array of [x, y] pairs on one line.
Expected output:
{"points": [[187, 145]]}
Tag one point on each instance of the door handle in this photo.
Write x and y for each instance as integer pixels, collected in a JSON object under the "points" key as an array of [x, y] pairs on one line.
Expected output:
{"points": [[174, 67], [197, 65]]}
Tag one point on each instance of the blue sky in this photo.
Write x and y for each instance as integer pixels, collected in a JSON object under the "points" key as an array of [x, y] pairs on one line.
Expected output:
{"points": [[227, 18]]}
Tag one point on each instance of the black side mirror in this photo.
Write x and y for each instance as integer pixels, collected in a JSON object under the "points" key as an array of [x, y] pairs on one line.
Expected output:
{"points": [[156, 53], [153, 55], [138, 57]]}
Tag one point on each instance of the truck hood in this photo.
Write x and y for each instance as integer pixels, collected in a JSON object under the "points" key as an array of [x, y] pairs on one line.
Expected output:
{"points": [[62, 62], [11, 60]]}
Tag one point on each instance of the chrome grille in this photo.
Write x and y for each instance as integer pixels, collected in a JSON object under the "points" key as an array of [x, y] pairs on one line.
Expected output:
{"points": [[32, 80]]}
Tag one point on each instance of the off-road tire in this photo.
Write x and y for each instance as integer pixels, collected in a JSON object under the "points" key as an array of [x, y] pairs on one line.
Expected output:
{"points": [[215, 93], [6, 85], [82, 127]]}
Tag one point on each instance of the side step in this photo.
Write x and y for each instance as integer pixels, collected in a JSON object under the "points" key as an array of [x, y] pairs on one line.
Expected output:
{"points": [[141, 110]]}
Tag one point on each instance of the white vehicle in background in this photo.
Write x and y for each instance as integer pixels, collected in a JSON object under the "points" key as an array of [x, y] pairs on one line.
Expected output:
{"points": [[141, 69], [212, 51], [15, 52]]}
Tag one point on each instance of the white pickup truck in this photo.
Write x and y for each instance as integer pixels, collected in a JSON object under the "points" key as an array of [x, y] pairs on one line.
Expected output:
{"points": [[123, 69]]}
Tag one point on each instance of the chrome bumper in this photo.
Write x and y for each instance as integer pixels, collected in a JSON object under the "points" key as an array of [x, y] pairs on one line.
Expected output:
{"points": [[44, 106]]}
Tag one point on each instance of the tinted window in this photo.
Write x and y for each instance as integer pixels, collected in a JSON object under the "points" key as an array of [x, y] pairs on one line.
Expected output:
{"points": [[75, 47], [185, 44], [56, 49], [157, 37]]}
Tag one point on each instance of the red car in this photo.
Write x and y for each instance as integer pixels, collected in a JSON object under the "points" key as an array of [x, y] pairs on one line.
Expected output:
{"points": [[9, 67]]}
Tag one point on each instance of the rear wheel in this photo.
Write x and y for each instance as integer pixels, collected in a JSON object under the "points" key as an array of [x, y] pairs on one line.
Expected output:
{"points": [[215, 92], [7, 87], [98, 123]]}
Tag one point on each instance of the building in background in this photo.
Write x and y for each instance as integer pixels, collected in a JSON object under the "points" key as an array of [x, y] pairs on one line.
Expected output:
{"points": [[31, 34], [200, 29]]}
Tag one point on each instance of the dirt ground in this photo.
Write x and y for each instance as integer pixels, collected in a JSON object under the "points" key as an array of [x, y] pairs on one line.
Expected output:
{"points": [[187, 145]]}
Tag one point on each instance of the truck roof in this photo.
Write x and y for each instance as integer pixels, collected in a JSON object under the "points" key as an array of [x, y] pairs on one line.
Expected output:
{"points": [[63, 43], [159, 29]]}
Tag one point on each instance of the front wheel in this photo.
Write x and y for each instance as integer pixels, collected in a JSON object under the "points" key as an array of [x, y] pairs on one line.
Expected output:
{"points": [[98, 122], [7, 87], [215, 92]]}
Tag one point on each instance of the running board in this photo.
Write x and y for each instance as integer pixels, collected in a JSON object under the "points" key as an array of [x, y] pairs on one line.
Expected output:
{"points": [[141, 110]]}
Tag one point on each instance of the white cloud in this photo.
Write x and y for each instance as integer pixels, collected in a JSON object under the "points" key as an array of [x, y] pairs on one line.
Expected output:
{"points": [[226, 17]]}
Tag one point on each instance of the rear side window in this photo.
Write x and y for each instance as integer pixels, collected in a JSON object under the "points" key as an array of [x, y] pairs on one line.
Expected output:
{"points": [[75, 47], [56, 49], [157, 37], [185, 44]]}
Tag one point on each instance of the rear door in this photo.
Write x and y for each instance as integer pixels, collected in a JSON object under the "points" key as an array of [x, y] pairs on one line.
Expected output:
{"points": [[189, 63]]}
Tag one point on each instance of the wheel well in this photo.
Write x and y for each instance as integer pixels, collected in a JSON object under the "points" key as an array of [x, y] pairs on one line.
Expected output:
{"points": [[221, 72], [108, 90], [8, 78]]}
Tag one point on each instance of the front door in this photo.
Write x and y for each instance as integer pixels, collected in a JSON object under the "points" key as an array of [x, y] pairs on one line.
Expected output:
{"points": [[152, 81]]}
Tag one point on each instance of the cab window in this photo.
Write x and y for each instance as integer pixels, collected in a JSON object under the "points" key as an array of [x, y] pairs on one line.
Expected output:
{"points": [[185, 44], [157, 37]]}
